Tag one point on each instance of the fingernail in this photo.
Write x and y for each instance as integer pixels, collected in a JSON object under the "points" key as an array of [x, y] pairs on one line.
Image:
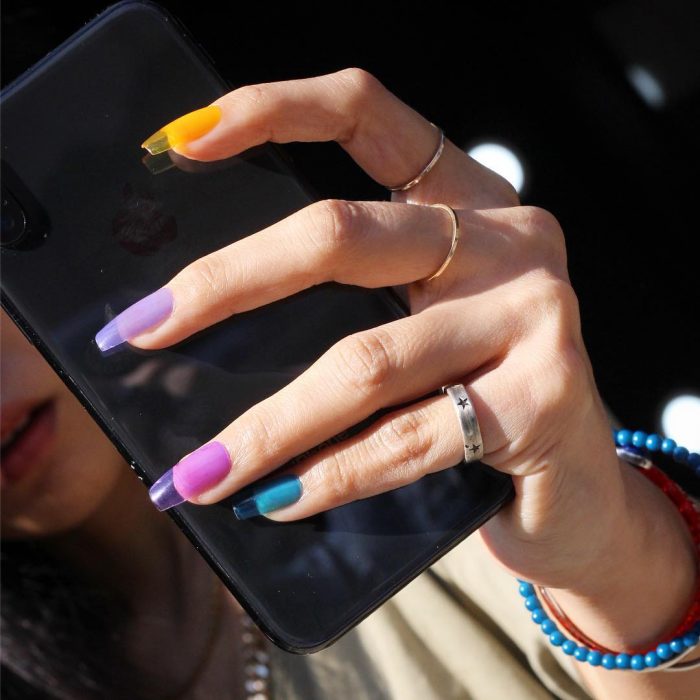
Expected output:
{"points": [[187, 128], [192, 475], [136, 319], [269, 495]]}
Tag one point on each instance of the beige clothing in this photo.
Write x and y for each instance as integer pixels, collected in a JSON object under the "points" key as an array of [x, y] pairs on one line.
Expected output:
{"points": [[458, 631]]}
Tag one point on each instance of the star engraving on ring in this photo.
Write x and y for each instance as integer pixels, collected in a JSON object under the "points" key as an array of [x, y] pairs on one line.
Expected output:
{"points": [[463, 402], [473, 449]]}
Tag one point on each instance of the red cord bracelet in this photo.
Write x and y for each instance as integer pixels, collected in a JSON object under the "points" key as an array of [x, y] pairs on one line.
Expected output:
{"points": [[669, 654], [690, 515]]}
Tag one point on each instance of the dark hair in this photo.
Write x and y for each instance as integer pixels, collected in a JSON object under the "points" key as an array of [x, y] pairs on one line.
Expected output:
{"points": [[61, 635]]}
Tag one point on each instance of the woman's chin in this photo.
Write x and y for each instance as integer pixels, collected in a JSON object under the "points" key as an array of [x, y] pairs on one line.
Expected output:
{"points": [[58, 501], [42, 518]]}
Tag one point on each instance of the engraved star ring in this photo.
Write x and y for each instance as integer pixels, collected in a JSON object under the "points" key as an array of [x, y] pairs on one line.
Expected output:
{"points": [[473, 445]]}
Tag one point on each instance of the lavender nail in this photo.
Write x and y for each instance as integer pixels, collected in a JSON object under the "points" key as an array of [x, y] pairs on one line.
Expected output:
{"points": [[136, 319], [191, 476]]}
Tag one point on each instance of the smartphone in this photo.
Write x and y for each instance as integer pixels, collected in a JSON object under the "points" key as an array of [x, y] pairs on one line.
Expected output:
{"points": [[88, 229]]}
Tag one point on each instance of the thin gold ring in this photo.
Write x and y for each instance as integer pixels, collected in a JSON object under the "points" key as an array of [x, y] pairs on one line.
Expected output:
{"points": [[427, 168], [455, 238]]}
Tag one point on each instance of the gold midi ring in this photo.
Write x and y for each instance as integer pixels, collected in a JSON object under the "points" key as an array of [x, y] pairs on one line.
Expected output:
{"points": [[455, 238], [427, 168]]}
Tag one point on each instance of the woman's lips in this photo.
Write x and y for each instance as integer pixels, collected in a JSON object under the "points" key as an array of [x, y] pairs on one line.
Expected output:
{"points": [[33, 441]]}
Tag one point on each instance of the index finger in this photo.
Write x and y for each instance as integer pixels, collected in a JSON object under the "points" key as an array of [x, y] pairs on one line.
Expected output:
{"points": [[389, 140]]}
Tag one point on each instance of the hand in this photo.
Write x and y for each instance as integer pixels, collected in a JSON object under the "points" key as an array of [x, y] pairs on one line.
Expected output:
{"points": [[502, 319]]}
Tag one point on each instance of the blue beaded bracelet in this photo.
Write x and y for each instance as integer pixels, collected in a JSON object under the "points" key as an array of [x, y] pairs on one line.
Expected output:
{"points": [[667, 652], [633, 446], [657, 443]]}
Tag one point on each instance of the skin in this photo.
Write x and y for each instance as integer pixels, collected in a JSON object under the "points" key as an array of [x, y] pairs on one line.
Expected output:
{"points": [[77, 510], [502, 319], [37, 505]]}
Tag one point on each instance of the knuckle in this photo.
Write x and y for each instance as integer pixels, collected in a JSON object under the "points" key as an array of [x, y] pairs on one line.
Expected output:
{"points": [[548, 307], [559, 305], [332, 225], [340, 479], [561, 376], [559, 385], [362, 83], [254, 95], [208, 277], [544, 229], [257, 435], [538, 218], [252, 102], [404, 439], [556, 377], [365, 360], [358, 91]]}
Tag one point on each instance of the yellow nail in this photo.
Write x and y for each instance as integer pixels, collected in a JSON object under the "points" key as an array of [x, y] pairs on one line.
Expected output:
{"points": [[187, 128]]}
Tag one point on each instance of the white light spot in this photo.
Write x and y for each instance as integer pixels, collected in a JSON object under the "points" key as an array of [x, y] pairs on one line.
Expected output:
{"points": [[501, 160], [647, 86], [680, 420]]}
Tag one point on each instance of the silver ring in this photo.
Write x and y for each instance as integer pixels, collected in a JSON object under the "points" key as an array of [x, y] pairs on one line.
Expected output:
{"points": [[473, 444], [427, 168]]}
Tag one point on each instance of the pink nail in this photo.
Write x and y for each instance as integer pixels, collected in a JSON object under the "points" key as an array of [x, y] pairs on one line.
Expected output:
{"points": [[192, 475]]}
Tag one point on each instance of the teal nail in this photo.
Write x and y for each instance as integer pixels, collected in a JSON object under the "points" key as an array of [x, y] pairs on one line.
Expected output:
{"points": [[269, 495]]}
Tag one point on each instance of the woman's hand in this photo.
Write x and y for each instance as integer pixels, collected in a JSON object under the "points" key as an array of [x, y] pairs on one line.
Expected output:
{"points": [[502, 319]]}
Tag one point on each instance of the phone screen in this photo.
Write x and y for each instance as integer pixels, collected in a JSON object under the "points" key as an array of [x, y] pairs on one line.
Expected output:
{"points": [[100, 230]]}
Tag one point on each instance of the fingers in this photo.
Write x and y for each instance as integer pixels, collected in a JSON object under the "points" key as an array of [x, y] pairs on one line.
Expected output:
{"points": [[528, 392], [396, 450], [359, 375], [371, 244], [472, 334], [390, 141]]}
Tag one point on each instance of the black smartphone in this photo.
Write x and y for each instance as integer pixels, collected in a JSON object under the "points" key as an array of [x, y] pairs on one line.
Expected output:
{"points": [[87, 230]]}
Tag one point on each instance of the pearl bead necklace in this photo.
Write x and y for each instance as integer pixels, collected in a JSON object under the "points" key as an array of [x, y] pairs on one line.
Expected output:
{"points": [[256, 661]]}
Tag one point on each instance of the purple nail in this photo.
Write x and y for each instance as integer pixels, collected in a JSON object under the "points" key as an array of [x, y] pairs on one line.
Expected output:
{"points": [[191, 476], [136, 319]]}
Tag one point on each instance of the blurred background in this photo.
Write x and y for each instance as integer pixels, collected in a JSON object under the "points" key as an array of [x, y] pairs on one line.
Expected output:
{"points": [[592, 110]]}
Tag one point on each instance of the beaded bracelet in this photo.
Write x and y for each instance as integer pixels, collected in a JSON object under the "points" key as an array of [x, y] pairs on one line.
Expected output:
{"points": [[633, 448]]}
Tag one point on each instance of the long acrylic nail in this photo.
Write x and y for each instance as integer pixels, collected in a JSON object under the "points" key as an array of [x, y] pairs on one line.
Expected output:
{"points": [[191, 476], [136, 319], [187, 128], [269, 495]]}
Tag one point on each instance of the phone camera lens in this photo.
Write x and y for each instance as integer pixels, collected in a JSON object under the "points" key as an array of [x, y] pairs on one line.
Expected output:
{"points": [[13, 221]]}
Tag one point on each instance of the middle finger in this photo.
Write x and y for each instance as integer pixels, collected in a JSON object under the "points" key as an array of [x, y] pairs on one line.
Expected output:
{"points": [[371, 244]]}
